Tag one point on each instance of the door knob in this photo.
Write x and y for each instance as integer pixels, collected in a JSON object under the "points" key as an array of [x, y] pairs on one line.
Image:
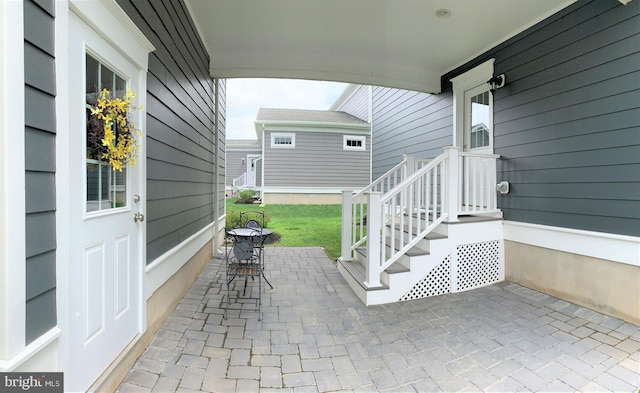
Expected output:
{"points": [[138, 217]]}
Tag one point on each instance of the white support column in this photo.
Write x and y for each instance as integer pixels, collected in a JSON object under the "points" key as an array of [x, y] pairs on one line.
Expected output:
{"points": [[452, 182], [12, 182], [374, 223], [345, 245]]}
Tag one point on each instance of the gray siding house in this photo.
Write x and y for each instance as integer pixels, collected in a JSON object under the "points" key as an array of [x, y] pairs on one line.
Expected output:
{"points": [[310, 156], [565, 129], [244, 165]]}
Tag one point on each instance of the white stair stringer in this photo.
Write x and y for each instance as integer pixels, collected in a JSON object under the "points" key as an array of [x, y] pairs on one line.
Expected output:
{"points": [[418, 267], [459, 256]]}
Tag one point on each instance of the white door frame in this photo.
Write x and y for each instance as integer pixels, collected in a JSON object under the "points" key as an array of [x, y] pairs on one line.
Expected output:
{"points": [[470, 79], [110, 22], [252, 158]]}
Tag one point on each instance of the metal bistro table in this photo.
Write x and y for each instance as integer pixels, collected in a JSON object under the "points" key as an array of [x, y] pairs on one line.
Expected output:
{"points": [[247, 233]]}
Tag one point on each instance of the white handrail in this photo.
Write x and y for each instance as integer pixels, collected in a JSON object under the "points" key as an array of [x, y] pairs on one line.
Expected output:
{"points": [[420, 195]]}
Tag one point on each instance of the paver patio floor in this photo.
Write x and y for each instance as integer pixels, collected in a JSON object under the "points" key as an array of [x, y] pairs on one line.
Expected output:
{"points": [[317, 336]]}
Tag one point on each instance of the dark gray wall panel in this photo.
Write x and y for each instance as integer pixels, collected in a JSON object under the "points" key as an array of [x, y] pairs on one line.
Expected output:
{"points": [[40, 191], [44, 109], [39, 31], [41, 230], [41, 67], [409, 122], [181, 130], [40, 312], [40, 150], [567, 125], [41, 274]]}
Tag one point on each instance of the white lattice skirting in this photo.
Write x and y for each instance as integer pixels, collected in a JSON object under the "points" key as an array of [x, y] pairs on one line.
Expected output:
{"points": [[473, 265]]}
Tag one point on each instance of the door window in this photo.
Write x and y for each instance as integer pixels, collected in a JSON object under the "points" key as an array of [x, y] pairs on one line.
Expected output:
{"points": [[106, 188], [480, 120]]}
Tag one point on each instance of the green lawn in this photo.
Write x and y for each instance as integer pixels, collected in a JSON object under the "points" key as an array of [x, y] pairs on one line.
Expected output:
{"points": [[301, 225]]}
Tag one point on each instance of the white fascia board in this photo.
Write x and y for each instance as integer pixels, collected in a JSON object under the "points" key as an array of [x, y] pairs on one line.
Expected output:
{"points": [[12, 181], [297, 126], [607, 246], [348, 92], [309, 190], [108, 19]]}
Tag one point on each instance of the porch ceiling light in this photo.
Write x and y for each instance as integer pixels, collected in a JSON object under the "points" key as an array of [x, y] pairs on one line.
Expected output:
{"points": [[496, 82]]}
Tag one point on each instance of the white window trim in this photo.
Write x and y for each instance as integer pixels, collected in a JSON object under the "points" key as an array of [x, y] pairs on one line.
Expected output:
{"points": [[361, 138], [275, 135], [470, 79]]}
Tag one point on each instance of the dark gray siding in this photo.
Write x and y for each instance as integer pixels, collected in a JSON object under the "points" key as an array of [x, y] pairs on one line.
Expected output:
{"points": [[181, 138], [221, 138], [568, 124], [40, 189], [318, 160], [357, 104], [409, 122]]}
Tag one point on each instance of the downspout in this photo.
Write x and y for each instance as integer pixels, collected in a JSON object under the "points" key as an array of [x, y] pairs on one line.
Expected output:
{"points": [[263, 167], [370, 134], [216, 170]]}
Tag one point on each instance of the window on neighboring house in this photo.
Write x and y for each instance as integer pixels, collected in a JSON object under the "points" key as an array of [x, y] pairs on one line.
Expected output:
{"points": [[281, 140], [351, 142]]}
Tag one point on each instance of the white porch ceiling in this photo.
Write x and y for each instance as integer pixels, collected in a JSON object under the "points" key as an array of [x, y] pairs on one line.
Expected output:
{"points": [[397, 43]]}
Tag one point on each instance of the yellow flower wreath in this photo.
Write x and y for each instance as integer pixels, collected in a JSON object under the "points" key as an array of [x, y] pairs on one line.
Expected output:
{"points": [[114, 112]]}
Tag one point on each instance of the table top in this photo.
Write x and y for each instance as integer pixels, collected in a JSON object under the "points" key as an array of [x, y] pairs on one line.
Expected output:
{"points": [[247, 232]]}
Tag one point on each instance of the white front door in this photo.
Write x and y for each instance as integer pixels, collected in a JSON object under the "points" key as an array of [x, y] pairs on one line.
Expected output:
{"points": [[106, 265], [478, 139], [478, 120], [252, 165]]}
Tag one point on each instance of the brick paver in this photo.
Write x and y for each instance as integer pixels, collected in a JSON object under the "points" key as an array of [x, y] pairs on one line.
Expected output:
{"points": [[316, 336]]}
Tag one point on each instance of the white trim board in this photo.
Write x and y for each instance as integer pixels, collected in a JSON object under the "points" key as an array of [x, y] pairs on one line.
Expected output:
{"points": [[618, 248], [12, 181], [308, 190], [33, 350], [166, 265]]}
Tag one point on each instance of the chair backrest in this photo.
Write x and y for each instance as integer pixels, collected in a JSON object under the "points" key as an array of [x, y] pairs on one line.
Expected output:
{"points": [[243, 250], [252, 219]]}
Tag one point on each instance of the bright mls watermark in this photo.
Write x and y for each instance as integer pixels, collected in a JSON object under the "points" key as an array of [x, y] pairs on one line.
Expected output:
{"points": [[32, 382]]}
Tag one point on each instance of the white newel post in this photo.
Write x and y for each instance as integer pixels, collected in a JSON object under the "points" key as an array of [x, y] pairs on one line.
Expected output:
{"points": [[345, 245], [374, 224], [410, 168], [452, 182]]}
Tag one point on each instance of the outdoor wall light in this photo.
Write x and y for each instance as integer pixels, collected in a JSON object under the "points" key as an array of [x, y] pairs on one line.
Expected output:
{"points": [[496, 82], [242, 161], [503, 187]]}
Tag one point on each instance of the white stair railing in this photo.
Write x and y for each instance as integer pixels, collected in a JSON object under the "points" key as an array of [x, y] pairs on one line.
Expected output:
{"points": [[427, 194], [240, 181], [477, 191]]}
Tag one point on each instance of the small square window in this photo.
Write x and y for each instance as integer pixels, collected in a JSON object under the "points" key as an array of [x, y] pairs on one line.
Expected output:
{"points": [[287, 141], [354, 142]]}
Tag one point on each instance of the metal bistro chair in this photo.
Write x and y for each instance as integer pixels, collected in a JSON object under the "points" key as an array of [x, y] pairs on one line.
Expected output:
{"points": [[244, 259], [255, 220], [252, 219]]}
